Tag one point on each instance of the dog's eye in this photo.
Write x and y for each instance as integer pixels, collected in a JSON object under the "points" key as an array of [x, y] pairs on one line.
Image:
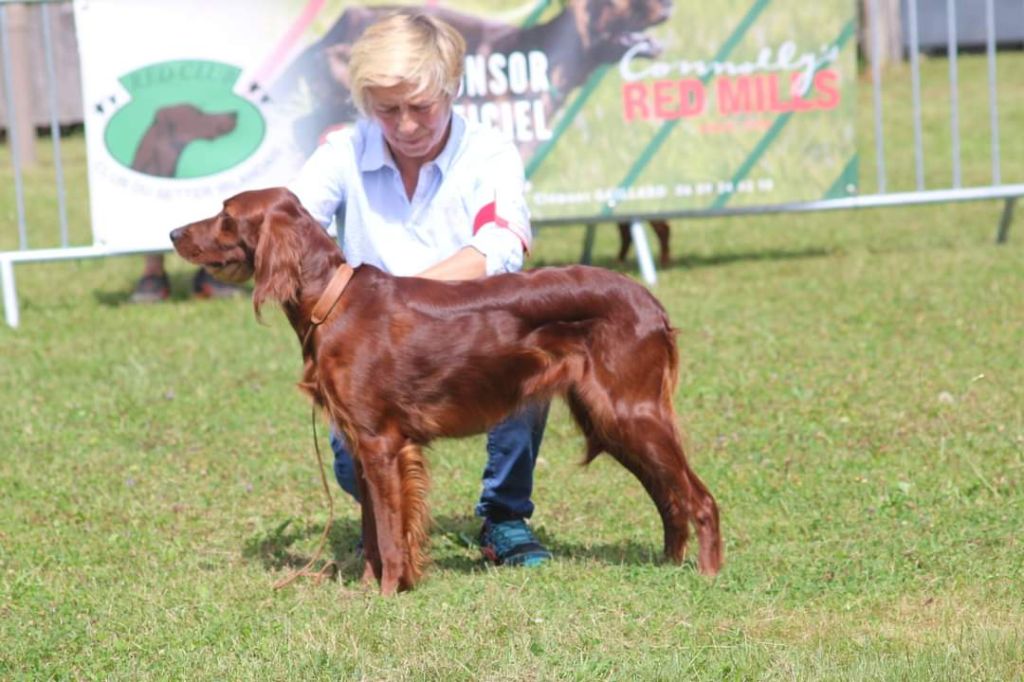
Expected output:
{"points": [[228, 226]]}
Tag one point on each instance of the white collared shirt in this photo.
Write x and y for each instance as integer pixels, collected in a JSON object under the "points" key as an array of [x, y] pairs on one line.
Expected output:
{"points": [[472, 194]]}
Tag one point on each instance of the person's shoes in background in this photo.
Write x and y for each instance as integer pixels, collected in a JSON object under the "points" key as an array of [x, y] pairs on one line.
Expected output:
{"points": [[511, 543], [151, 289], [205, 285]]}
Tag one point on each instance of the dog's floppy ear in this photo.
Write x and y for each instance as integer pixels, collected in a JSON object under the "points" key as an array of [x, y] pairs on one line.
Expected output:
{"points": [[276, 260]]}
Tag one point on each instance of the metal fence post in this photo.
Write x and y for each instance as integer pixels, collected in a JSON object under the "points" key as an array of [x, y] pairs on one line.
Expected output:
{"points": [[588, 244], [18, 41], [14, 133], [51, 87], [643, 253], [1004, 224], [10, 293], [875, 40], [952, 49]]}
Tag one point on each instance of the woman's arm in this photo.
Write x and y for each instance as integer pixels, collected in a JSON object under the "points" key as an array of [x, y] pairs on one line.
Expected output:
{"points": [[322, 181], [466, 263]]}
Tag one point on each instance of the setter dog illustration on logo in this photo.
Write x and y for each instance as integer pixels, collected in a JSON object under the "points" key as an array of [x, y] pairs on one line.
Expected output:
{"points": [[173, 128]]}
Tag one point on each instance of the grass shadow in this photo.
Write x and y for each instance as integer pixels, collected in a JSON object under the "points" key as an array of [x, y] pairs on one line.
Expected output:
{"points": [[181, 290], [274, 548], [759, 255], [614, 554], [462, 531], [630, 266], [453, 548]]}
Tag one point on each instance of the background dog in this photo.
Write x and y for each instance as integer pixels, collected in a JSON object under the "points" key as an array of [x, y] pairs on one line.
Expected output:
{"points": [[660, 228]]}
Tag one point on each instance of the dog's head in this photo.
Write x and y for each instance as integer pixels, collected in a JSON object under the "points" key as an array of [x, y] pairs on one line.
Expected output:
{"points": [[253, 235], [612, 27]]}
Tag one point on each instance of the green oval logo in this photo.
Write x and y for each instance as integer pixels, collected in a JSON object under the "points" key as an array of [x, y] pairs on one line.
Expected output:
{"points": [[184, 120]]}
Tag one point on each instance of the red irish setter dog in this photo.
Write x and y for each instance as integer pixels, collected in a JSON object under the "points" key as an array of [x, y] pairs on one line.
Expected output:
{"points": [[400, 361]]}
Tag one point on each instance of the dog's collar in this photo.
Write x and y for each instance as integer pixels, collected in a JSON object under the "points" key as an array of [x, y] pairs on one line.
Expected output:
{"points": [[332, 294]]}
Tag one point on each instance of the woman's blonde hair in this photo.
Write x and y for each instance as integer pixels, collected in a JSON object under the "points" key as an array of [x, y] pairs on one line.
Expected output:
{"points": [[407, 47]]}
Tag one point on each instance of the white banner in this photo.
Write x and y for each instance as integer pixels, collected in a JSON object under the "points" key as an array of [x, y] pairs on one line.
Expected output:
{"points": [[176, 117]]}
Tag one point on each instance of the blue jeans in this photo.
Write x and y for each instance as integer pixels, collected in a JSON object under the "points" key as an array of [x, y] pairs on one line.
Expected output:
{"points": [[512, 448]]}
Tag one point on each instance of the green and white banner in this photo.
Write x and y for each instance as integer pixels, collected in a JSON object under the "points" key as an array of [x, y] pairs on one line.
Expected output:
{"points": [[619, 107]]}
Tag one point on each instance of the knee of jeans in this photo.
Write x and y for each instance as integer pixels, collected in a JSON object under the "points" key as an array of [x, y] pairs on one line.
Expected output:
{"points": [[345, 473], [338, 445], [514, 438], [344, 467]]}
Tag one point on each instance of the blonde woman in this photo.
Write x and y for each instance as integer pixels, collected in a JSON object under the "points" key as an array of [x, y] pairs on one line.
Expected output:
{"points": [[419, 192]]}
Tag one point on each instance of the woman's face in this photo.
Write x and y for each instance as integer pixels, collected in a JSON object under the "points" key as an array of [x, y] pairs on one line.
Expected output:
{"points": [[415, 126]]}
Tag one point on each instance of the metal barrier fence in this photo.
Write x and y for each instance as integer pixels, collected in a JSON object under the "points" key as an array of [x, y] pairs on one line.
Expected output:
{"points": [[13, 20], [20, 123]]}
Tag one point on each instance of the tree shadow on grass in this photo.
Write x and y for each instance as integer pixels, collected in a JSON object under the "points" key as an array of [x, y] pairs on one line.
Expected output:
{"points": [[718, 259], [629, 266], [452, 548]]}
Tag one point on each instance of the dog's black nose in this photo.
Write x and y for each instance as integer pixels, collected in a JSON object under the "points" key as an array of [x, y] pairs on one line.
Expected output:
{"points": [[176, 234]]}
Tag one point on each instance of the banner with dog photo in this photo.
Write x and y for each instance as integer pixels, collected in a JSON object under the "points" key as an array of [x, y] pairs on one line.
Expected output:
{"points": [[618, 107]]}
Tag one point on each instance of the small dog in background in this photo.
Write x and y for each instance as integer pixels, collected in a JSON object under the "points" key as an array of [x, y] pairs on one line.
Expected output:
{"points": [[660, 228]]}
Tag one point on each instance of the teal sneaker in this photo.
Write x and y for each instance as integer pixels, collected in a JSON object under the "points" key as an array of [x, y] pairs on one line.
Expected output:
{"points": [[511, 543]]}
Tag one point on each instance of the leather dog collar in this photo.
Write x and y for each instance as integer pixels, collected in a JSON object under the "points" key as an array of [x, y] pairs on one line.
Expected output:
{"points": [[332, 294]]}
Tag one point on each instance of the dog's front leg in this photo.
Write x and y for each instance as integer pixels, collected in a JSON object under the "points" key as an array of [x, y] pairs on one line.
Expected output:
{"points": [[371, 554], [378, 457]]}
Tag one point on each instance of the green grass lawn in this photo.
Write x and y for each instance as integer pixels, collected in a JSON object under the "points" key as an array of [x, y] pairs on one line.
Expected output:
{"points": [[851, 385]]}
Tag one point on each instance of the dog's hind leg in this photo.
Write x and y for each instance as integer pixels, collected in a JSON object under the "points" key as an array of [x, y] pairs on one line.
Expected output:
{"points": [[625, 240], [647, 456], [647, 453], [651, 449], [703, 511], [660, 228]]}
